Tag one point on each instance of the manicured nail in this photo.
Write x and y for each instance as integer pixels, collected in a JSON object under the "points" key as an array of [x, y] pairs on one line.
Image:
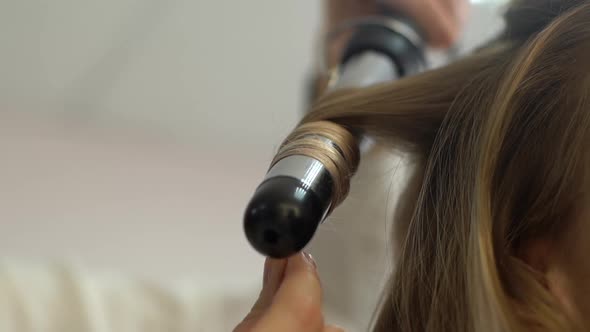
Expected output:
{"points": [[310, 260]]}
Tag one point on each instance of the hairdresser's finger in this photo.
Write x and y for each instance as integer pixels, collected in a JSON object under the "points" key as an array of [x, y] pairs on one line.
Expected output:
{"points": [[441, 20], [297, 305], [338, 11], [274, 270], [456, 9]]}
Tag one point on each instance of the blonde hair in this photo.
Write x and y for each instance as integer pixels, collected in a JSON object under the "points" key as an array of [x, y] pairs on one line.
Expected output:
{"points": [[502, 136]]}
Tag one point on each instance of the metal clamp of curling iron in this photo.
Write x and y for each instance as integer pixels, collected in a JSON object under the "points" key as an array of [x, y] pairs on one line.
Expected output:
{"points": [[296, 194]]}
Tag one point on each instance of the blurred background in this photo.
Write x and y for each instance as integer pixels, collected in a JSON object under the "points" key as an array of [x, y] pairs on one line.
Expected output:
{"points": [[133, 132]]}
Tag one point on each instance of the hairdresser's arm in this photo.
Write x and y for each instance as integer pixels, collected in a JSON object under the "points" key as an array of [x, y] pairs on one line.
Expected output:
{"points": [[290, 300], [441, 20]]}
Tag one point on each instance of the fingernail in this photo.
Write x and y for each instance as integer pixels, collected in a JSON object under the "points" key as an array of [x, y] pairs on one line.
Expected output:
{"points": [[310, 260]]}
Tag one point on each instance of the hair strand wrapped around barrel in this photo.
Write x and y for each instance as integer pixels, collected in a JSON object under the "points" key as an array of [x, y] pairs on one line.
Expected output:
{"points": [[332, 145]]}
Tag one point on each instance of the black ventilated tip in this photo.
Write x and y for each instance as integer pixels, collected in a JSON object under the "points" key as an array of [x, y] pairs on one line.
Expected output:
{"points": [[283, 216]]}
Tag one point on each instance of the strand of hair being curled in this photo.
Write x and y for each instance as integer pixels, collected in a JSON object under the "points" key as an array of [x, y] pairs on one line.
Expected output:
{"points": [[332, 145]]}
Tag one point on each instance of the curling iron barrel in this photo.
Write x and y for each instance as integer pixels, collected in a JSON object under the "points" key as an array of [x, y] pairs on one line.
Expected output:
{"points": [[298, 191]]}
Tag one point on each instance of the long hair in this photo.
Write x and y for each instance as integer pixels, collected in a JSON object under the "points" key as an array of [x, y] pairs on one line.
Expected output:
{"points": [[503, 137]]}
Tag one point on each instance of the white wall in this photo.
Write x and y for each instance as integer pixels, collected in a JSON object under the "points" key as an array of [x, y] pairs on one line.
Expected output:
{"points": [[155, 120]]}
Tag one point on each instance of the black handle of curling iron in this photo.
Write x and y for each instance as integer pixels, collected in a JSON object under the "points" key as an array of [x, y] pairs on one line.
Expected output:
{"points": [[394, 36], [296, 194]]}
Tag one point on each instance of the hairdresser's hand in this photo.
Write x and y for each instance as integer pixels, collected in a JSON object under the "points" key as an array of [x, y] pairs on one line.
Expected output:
{"points": [[290, 300], [441, 20]]}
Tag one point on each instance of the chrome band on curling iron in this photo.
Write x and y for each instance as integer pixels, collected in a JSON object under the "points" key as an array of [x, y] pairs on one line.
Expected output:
{"points": [[312, 174]]}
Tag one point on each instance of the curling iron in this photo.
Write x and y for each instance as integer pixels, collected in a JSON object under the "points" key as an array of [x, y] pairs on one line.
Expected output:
{"points": [[296, 194]]}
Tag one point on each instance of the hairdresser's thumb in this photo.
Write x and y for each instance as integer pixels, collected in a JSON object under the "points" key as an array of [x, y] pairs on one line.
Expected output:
{"points": [[274, 270], [297, 304]]}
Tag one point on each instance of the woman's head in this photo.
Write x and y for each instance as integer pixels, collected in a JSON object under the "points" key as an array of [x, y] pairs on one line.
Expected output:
{"points": [[496, 238]]}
